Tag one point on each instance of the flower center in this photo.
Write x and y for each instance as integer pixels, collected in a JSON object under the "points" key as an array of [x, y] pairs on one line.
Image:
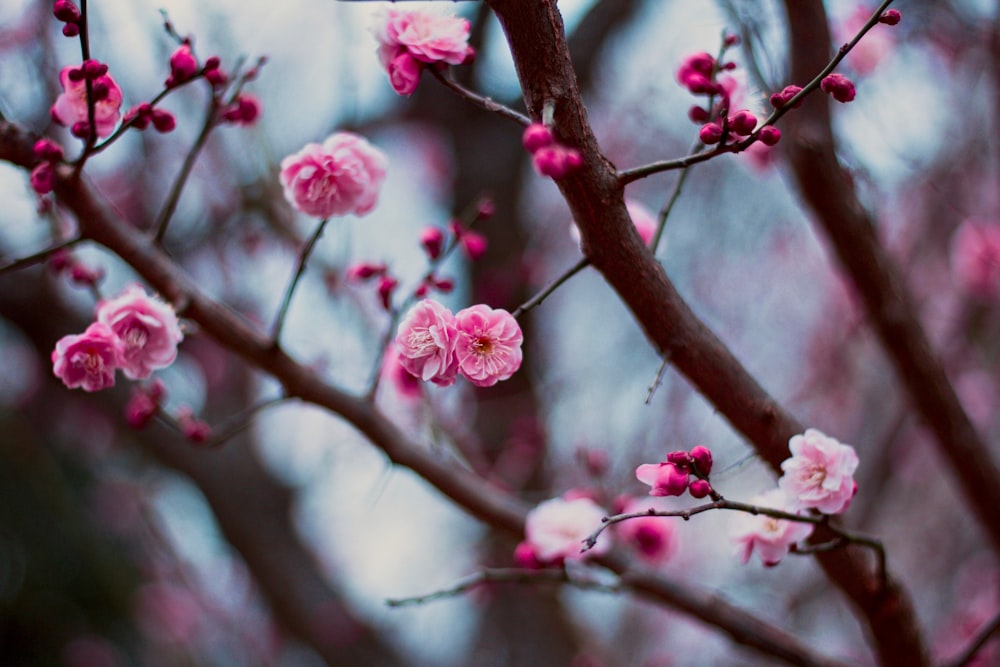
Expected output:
{"points": [[483, 346], [135, 338], [421, 341], [92, 362], [815, 475]]}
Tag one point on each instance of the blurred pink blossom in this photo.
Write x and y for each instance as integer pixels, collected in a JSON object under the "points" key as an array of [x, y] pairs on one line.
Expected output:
{"points": [[975, 258], [878, 43], [70, 107], [427, 36], [88, 360], [488, 346], [426, 340], [148, 329], [556, 528], [820, 473], [654, 537], [771, 538], [404, 73], [341, 176]]}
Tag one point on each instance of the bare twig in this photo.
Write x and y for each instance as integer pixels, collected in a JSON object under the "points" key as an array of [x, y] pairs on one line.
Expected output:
{"points": [[483, 102], [300, 267], [38, 257]]}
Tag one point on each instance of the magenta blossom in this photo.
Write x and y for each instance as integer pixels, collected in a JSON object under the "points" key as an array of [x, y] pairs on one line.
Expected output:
{"points": [[341, 176], [820, 473], [488, 347], [975, 258], [70, 107], [665, 479], [556, 528], [426, 341], [654, 537], [88, 360], [404, 73], [838, 86], [771, 538], [148, 330]]}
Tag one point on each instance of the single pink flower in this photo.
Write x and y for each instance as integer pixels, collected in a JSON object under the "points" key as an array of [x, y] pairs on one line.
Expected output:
{"points": [[404, 73], [88, 360], [771, 538], [556, 528], [148, 329], [183, 66], [665, 479], [406, 385], [341, 176], [838, 86], [820, 473], [975, 258], [426, 341], [427, 36], [488, 346], [70, 107]]}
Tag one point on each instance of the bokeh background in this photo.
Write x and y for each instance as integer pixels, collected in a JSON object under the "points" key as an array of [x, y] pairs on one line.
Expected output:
{"points": [[123, 547]]}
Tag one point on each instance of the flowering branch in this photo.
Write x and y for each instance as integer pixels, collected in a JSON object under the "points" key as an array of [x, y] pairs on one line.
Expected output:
{"points": [[300, 267]]}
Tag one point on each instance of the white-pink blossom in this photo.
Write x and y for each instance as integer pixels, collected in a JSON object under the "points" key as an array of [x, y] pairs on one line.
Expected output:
{"points": [[425, 341], [88, 360], [820, 472], [71, 106], [488, 346], [556, 528], [771, 538], [340, 176], [428, 36], [975, 258], [148, 329]]}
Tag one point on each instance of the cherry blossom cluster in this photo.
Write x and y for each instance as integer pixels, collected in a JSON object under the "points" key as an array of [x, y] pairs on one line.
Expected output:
{"points": [[134, 332], [673, 476], [480, 343], [770, 537], [343, 175], [71, 107], [412, 40], [67, 12], [548, 156]]}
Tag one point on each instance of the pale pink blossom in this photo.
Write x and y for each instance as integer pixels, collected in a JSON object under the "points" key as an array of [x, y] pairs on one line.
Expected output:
{"points": [[771, 538], [488, 346], [407, 386], [341, 176], [148, 329], [70, 107], [975, 258], [556, 528], [425, 341], [665, 479], [820, 473], [88, 360], [427, 36]]}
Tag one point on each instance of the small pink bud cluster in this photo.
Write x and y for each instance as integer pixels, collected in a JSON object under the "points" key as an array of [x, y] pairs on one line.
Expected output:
{"points": [[838, 86], [213, 73], [741, 123], [480, 343], [144, 402], [385, 283], [69, 14], [697, 74], [192, 428], [890, 17], [244, 110], [549, 157], [63, 261], [411, 40], [43, 176], [70, 108], [672, 477], [785, 95], [134, 332], [555, 531], [183, 66], [142, 114], [472, 243]]}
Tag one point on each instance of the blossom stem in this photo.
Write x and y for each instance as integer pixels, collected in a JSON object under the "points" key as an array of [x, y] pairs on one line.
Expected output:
{"points": [[536, 300], [479, 100], [38, 257], [300, 268]]}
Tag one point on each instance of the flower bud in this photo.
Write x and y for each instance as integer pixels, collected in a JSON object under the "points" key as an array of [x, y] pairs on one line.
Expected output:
{"points": [[769, 135], [780, 99], [699, 488], [702, 458], [163, 121], [66, 11], [432, 239], [890, 17], [743, 122], [183, 64], [838, 86], [536, 136], [710, 133]]}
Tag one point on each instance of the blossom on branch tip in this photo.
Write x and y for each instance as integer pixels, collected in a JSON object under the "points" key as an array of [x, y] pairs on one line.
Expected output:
{"points": [[769, 135], [70, 108], [771, 538], [341, 176], [536, 136], [785, 95], [148, 329], [409, 40], [244, 110], [665, 479], [88, 360], [425, 343], [488, 345], [183, 66], [820, 473], [838, 86], [555, 530], [696, 72], [890, 17]]}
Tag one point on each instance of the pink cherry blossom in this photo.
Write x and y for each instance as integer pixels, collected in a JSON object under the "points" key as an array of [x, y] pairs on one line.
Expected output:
{"points": [[820, 473], [975, 258], [147, 327], [70, 107], [427, 36], [88, 360], [556, 528], [425, 342], [488, 346], [341, 176], [771, 538], [666, 479], [404, 73]]}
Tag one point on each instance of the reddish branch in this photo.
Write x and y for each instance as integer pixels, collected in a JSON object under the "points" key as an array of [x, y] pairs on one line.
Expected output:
{"points": [[535, 33], [99, 224], [829, 190]]}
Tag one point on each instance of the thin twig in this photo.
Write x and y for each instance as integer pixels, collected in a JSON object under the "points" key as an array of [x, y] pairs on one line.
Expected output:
{"points": [[505, 575], [279, 320], [38, 257], [658, 380], [240, 422], [479, 100], [536, 300]]}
